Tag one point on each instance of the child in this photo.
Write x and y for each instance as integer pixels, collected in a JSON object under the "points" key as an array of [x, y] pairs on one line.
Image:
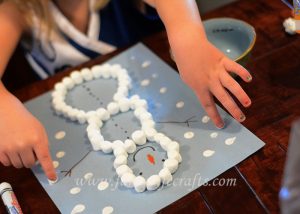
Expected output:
{"points": [[65, 31]]}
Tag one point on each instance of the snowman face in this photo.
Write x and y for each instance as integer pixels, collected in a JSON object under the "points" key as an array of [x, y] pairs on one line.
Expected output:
{"points": [[167, 158]]}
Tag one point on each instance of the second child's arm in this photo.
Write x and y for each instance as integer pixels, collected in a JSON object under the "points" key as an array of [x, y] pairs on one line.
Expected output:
{"points": [[201, 65], [23, 138]]}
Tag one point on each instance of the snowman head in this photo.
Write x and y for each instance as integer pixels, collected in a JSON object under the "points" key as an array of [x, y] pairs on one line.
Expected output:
{"points": [[120, 149]]}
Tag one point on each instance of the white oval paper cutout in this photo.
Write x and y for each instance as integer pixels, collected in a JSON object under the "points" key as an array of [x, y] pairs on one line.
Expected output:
{"points": [[145, 82], [60, 135], [189, 135], [180, 104], [60, 154], [75, 190], [214, 135], [146, 64], [107, 210], [88, 176], [230, 141], [208, 153], [205, 119], [55, 164], [163, 90], [103, 185], [79, 208]]}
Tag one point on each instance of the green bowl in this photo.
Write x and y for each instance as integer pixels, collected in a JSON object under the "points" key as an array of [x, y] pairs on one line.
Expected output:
{"points": [[235, 38]]}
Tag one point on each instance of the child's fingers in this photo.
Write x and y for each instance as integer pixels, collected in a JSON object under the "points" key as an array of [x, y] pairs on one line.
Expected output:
{"points": [[222, 95], [209, 106], [15, 159], [28, 157], [236, 68], [5, 160], [43, 155], [235, 88]]}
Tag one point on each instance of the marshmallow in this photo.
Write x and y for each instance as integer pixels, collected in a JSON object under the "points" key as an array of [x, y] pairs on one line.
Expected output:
{"points": [[113, 108], [173, 146], [145, 116], [120, 151], [158, 137], [150, 133], [96, 121], [96, 71], [120, 160], [76, 77], [103, 114], [139, 137], [60, 87], [164, 142], [148, 124], [81, 117], [171, 164], [138, 111], [140, 103], [124, 105], [117, 143], [96, 143], [106, 147], [90, 114], [128, 179], [86, 74], [173, 154], [121, 170], [166, 176], [68, 82], [129, 146], [153, 182], [139, 184]]}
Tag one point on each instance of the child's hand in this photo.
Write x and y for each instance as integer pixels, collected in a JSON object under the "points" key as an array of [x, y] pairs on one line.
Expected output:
{"points": [[206, 70], [23, 138]]}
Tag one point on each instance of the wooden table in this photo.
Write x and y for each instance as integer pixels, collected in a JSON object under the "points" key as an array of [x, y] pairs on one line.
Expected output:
{"points": [[275, 92]]}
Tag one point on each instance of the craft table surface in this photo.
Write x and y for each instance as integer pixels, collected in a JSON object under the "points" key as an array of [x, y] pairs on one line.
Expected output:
{"points": [[275, 93]]}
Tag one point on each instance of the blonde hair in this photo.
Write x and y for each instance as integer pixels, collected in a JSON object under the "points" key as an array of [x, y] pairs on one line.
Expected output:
{"points": [[40, 9]]}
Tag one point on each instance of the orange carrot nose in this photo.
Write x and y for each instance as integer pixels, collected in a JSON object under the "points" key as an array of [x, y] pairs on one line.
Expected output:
{"points": [[151, 159]]}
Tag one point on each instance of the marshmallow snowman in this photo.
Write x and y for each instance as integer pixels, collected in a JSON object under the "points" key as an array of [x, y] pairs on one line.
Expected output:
{"points": [[121, 103]]}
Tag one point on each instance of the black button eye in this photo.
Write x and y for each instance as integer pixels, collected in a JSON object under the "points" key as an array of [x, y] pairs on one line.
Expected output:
{"points": [[141, 173], [163, 160]]}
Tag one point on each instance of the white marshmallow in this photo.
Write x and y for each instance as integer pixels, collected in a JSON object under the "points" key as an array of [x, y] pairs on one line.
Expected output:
{"points": [[95, 120], [106, 147], [145, 116], [121, 170], [120, 151], [139, 184], [148, 124], [164, 142], [81, 117], [128, 179], [166, 176], [113, 108], [140, 103], [103, 114], [153, 182], [68, 82], [137, 112], [76, 77], [86, 74], [173, 154], [171, 164], [120, 160], [96, 71], [129, 146], [96, 143], [158, 137], [150, 133], [124, 104], [173, 146], [117, 143], [139, 137], [90, 114]]}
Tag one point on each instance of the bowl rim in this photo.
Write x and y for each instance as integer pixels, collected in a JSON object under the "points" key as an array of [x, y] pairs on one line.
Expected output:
{"points": [[252, 43]]}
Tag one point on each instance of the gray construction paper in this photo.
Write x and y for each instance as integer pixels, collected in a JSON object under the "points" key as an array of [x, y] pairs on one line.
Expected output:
{"points": [[195, 169]]}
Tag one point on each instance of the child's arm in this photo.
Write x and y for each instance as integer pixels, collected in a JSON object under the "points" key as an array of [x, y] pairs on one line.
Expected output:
{"points": [[202, 66], [23, 138]]}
